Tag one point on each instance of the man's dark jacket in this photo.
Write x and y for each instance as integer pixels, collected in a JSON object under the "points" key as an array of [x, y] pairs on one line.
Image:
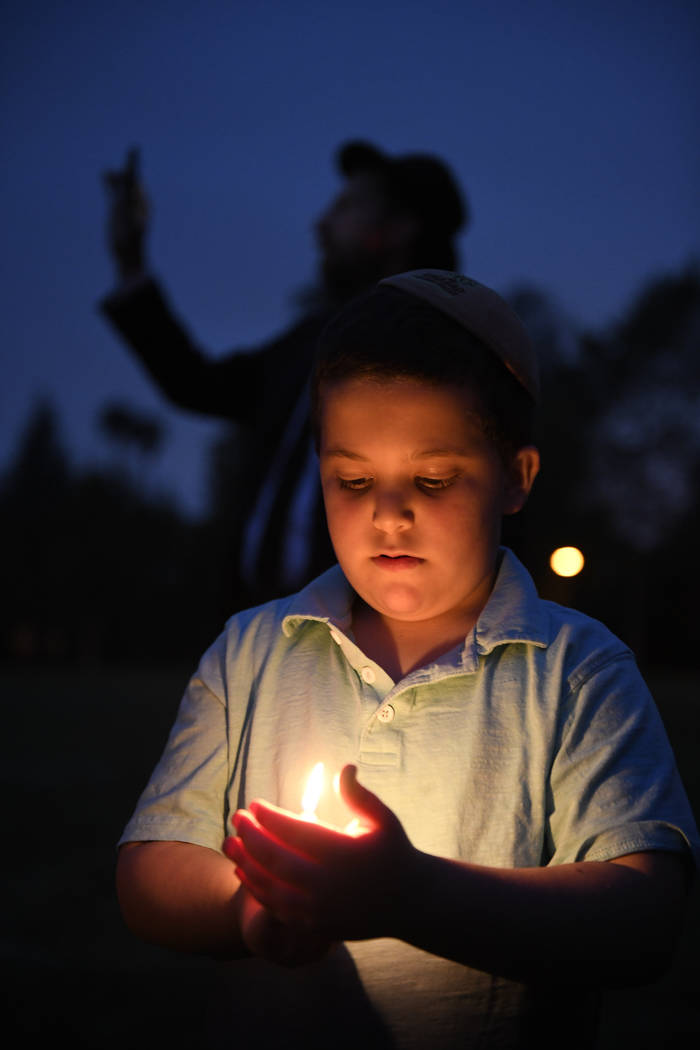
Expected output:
{"points": [[258, 389]]}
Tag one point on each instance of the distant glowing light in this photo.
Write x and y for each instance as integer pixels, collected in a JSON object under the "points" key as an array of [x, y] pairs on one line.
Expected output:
{"points": [[566, 561]]}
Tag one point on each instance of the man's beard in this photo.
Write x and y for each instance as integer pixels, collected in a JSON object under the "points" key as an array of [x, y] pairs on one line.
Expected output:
{"points": [[338, 281], [345, 278]]}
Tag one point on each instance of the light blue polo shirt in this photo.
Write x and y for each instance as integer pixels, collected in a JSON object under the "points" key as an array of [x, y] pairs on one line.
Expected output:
{"points": [[535, 742]]}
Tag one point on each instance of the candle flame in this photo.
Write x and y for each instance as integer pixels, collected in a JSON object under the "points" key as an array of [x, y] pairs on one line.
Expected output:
{"points": [[312, 792]]}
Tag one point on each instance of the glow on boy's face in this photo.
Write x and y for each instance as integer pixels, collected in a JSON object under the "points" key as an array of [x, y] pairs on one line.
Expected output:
{"points": [[414, 493]]}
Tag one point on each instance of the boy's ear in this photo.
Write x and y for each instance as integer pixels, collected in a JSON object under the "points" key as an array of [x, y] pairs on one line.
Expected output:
{"points": [[520, 476]]}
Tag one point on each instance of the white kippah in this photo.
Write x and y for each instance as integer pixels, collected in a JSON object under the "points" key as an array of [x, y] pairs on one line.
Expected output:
{"points": [[482, 312]]}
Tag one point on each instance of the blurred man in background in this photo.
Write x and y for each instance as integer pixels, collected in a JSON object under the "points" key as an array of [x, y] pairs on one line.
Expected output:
{"points": [[392, 214]]}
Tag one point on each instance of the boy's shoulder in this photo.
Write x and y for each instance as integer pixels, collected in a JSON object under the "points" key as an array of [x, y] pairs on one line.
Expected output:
{"points": [[264, 634], [326, 599], [583, 644], [573, 641]]}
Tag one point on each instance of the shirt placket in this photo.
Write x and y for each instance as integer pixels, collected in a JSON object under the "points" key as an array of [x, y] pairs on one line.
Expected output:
{"points": [[380, 738]]}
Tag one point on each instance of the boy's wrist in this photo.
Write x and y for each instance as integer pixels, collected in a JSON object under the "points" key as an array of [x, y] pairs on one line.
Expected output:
{"points": [[411, 896]]}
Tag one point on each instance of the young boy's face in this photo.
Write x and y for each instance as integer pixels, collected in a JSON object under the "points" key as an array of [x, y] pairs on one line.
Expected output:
{"points": [[414, 494]]}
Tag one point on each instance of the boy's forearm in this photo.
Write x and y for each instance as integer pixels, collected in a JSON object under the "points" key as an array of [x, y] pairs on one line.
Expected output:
{"points": [[180, 896], [597, 923]]}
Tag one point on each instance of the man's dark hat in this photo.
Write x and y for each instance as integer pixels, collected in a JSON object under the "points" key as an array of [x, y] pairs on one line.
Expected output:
{"points": [[418, 182]]}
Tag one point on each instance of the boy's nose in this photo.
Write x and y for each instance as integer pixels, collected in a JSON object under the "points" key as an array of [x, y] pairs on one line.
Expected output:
{"points": [[392, 512]]}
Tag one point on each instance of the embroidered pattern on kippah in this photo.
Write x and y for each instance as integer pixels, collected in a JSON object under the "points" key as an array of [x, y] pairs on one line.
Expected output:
{"points": [[454, 284]]}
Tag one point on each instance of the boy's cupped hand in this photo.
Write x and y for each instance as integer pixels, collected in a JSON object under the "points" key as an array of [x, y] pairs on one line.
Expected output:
{"points": [[323, 881], [268, 938]]}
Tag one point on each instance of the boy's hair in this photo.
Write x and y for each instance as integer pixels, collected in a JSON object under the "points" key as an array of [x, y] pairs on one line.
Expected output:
{"points": [[388, 334]]}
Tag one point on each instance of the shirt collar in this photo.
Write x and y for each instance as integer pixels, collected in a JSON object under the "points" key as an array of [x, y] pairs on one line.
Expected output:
{"points": [[513, 613], [328, 598]]}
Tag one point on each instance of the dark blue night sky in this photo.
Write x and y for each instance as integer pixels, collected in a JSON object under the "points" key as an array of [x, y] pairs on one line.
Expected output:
{"points": [[573, 128]]}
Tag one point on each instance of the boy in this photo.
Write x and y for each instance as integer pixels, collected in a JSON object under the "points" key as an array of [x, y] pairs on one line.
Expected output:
{"points": [[523, 837]]}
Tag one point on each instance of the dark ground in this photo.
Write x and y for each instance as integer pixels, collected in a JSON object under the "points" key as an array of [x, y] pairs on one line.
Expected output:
{"points": [[78, 747]]}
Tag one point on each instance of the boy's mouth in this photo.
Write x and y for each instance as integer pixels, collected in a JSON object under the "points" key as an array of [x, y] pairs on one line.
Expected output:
{"points": [[396, 562]]}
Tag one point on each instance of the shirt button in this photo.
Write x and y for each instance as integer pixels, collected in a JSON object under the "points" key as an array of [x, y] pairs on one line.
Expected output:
{"points": [[386, 713], [368, 675], [336, 637]]}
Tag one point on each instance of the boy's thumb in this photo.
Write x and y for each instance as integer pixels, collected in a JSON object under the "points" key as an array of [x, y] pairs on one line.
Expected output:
{"points": [[363, 802]]}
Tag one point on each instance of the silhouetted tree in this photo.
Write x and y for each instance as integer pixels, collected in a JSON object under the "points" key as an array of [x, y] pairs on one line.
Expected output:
{"points": [[124, 426], [35, 509], [644, 463], [136, 435], [646, 443], [40, 469], [91, 568], [620, 443]]}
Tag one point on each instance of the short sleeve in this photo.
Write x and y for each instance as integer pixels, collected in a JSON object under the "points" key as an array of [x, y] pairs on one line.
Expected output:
{"points": [[184, 799], [614, 785]]}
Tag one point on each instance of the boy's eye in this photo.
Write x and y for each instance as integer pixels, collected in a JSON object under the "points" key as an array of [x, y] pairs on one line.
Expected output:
{"points": [[434, 484], [355, 484], [426, 484]]}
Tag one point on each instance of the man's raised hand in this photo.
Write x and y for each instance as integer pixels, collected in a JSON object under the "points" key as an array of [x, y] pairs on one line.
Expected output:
{"points": [[127, 219]]}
